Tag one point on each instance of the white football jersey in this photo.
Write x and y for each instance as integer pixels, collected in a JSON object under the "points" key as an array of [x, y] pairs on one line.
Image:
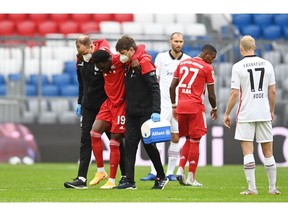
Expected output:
{"points": [[252, 76], [165, 68]]}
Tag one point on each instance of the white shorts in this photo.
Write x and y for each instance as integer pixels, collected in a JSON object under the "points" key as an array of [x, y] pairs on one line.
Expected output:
{"points": [[166, 113], [246, 131]]}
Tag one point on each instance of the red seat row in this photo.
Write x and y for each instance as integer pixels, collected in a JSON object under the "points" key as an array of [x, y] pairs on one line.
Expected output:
{"points": [[42, 24]]}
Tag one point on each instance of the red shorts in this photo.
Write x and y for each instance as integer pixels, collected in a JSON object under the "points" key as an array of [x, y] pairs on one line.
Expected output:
{"points": [[192, 125], [113, 115]]}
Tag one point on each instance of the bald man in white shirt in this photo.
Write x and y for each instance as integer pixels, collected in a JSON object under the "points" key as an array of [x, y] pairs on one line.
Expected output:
{"points": [[253, 79]]}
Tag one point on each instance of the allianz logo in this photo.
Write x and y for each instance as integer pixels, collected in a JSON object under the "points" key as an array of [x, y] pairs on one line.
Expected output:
{"points": [[161, 133]]}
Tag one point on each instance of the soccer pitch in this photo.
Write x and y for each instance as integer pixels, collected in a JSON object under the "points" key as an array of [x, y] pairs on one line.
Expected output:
{"points": [[42, 184]]}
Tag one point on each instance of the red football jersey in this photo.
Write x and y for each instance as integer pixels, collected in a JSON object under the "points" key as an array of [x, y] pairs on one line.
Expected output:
{"points": [[114, 81], [193, 74]]}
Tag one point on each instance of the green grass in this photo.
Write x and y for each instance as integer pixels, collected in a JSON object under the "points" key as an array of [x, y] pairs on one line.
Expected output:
{"points": [[44, 183]]}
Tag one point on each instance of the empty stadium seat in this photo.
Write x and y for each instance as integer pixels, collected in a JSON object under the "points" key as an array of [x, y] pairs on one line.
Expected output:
{"points": [[153, 28], [81, 18], [55, 39], [60, 106], [153, 54], [2, 79], [281, 19], [185, 18], [164, 18], [52, 66], [143, 18], [89, 27], [195, 29], [3, 90], [74, 79], [70, 67], [60, 80], [192, 52], [38, 18], [9, 65], [240, 20], [253, 30], [17, 17], [273, 56], [220, 20], [121, 17], [271, 32], [14, 76], [47, 27], [59, 18], [285, 32], [7, 28], [26, 28], [50, 90], [31, 66], [34, 79], [69, 27], [69, 90], [110, 27], [30, 90], [102, 17], [132, 28], [173, 27], [3, 16], [280, 73], [262, 20]]}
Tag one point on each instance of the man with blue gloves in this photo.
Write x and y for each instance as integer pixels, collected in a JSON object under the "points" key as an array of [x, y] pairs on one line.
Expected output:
{"points": [[142, 103], [90, 98]]}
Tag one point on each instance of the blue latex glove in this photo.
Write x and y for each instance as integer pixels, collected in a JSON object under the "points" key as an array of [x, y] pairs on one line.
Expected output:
{"points": [[78, 110], [155, 117]]}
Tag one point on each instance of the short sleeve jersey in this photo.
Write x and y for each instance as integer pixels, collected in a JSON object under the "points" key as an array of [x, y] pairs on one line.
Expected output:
{"points": [[165, 68], [252, 76], [193, 74]]}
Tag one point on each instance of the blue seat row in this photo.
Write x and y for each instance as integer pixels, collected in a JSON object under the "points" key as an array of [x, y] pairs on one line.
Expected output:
{"points": [[262, 26]]}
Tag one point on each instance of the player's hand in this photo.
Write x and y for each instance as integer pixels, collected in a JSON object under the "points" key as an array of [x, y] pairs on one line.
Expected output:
{"points": [[214, 115], [155, 117], [227, 121], [78, 110], [135, 65]]}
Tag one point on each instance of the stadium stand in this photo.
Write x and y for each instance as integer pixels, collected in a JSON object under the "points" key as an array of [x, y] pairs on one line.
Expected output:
{"points": [[55, 42]]}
